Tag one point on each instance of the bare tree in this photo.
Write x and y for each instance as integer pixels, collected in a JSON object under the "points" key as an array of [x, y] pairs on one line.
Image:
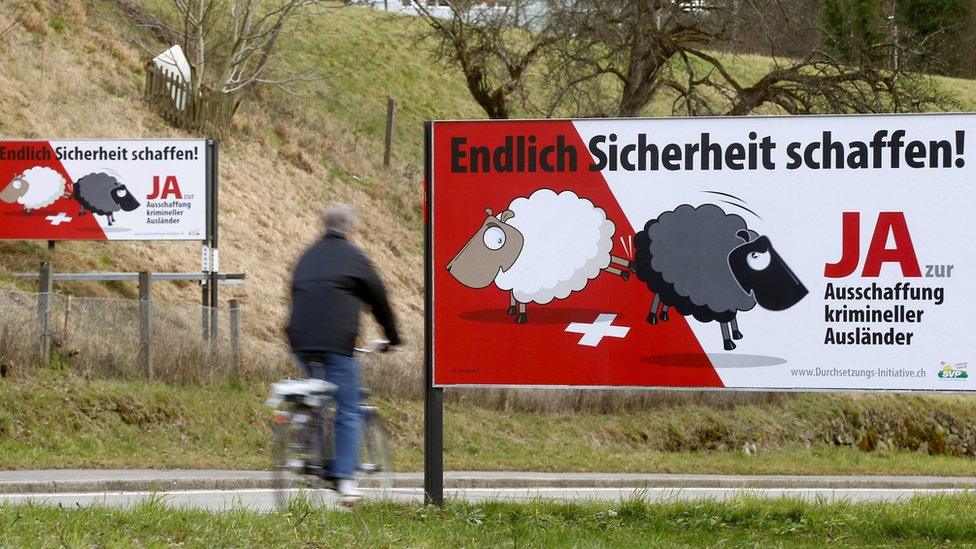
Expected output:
{"points": [[494, 44], [231, 45], [616, 58]]}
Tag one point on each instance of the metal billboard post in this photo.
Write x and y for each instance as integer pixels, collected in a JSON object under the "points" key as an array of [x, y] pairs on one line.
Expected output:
{"points": [[433, 396], [210, 265], [214, 255]]}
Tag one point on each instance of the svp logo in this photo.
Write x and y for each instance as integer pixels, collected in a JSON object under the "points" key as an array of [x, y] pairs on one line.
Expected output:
{"points": [[953, 371]]}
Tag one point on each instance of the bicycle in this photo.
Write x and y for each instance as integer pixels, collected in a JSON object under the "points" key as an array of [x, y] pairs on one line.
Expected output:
{"points": [[301, 407]]}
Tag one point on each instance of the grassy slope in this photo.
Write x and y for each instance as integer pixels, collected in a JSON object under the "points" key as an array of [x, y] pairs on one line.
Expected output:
{"points": [[290, 156], [61, 421], [921, 522]]}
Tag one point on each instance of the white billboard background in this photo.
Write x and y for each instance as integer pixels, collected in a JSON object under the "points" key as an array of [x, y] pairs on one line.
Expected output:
{"points": [[138, 177], [801, 213]]}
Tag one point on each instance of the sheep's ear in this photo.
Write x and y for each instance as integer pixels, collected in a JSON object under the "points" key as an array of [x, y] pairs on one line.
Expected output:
{"points": [[488, 211], [506, 215], [744, 235]]}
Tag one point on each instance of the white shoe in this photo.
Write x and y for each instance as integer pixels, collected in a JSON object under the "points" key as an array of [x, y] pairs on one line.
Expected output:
{"points": [[348, 489]]}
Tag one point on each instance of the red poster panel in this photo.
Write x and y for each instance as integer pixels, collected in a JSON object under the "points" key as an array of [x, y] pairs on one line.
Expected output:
{"points": [[581, 321]]}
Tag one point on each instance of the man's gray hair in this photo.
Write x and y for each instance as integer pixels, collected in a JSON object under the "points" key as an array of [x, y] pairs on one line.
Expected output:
{"points": [[340, 218]]}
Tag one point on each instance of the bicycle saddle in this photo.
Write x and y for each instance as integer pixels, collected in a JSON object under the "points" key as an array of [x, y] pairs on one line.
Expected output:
{"points": [[292, 389]]}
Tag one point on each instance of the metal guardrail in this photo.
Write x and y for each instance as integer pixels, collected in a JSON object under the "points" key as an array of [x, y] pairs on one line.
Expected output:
{"points": [[224, 278]]}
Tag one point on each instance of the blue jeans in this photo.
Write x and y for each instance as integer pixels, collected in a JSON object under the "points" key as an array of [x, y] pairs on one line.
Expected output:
{"points": [[343, 371]]}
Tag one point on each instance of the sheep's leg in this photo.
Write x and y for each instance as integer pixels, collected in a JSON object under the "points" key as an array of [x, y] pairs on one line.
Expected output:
{"points": [[618, 272], [520, 318], [511, 304], [652, 316], [621, 273], [726, 336], [736, 334], [664, 313], [619, 261]]}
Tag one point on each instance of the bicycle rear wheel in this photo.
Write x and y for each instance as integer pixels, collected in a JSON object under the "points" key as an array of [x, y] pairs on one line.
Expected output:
{"points": [[376, 459], [291, 450]]}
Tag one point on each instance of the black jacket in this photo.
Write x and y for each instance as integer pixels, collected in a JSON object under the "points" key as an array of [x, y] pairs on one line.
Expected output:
{"points": [[331, 281]]}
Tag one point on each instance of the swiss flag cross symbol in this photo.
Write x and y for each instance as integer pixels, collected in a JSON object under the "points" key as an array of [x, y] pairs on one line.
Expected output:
{"points": [[594, 332]]}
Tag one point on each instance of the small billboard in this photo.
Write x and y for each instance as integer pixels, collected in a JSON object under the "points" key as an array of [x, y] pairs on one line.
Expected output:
{"points": [[104, 190]]}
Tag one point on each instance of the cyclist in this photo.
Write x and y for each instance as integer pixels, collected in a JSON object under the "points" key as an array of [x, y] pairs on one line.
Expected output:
{"points": [[333, 278]]}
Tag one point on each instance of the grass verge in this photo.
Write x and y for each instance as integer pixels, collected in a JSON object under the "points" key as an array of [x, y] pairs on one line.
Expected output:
{"points": [[58, 420], [931, 521]]}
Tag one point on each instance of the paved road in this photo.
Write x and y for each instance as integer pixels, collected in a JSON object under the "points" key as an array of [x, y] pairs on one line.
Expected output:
{"points": [[262, 499], [134, 480]]}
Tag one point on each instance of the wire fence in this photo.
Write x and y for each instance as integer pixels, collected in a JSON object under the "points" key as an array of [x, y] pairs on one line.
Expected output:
{"points": [[103, 338]]}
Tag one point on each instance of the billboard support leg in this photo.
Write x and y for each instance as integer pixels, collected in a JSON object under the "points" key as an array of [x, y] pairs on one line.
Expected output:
{"points": [[434, 446], [433, 396], [205, 307]]}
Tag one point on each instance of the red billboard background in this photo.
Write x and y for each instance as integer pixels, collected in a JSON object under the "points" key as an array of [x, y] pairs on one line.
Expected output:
{"points": [[16, 224], [475, 340]]}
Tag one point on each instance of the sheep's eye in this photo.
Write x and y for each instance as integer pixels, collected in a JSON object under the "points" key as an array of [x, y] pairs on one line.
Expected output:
{"points": [[494, 238], [758, 261], [18, 184], [120, 193]]}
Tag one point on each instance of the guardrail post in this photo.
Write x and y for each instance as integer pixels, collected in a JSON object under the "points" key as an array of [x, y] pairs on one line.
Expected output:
{"points": [[145, 324], [235, 336], [44, 287]]}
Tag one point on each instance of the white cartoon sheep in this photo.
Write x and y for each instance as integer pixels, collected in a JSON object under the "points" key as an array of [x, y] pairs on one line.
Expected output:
{"points": [[36, 188], [541, 248]]}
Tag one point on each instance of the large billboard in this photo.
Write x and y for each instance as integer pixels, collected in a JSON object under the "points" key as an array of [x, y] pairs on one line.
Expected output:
{"points": [[827, 252], [104, 190]]}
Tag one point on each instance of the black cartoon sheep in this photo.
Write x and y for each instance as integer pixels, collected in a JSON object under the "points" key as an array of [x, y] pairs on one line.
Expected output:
{"points": [[707, 263], [102, 194]]}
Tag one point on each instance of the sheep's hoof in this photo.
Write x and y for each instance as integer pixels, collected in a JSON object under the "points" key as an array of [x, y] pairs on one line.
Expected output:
{"points": [[652, 318], [729, 345], [664, 316], [736, 334], [632, 266], [520, 319], [511, 310], [625, 275]]}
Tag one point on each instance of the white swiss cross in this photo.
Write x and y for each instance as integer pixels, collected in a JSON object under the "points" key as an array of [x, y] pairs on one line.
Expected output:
{"points": [[58, 219], [595, 332]]}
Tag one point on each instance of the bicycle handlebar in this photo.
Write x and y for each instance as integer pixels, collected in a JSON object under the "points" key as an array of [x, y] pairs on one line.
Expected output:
{"points": [[380, 345]]}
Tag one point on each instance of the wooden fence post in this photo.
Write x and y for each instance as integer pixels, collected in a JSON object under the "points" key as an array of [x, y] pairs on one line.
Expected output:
{"points": [[44, 287], [388, 153], [145, 324], [235, 336]]}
